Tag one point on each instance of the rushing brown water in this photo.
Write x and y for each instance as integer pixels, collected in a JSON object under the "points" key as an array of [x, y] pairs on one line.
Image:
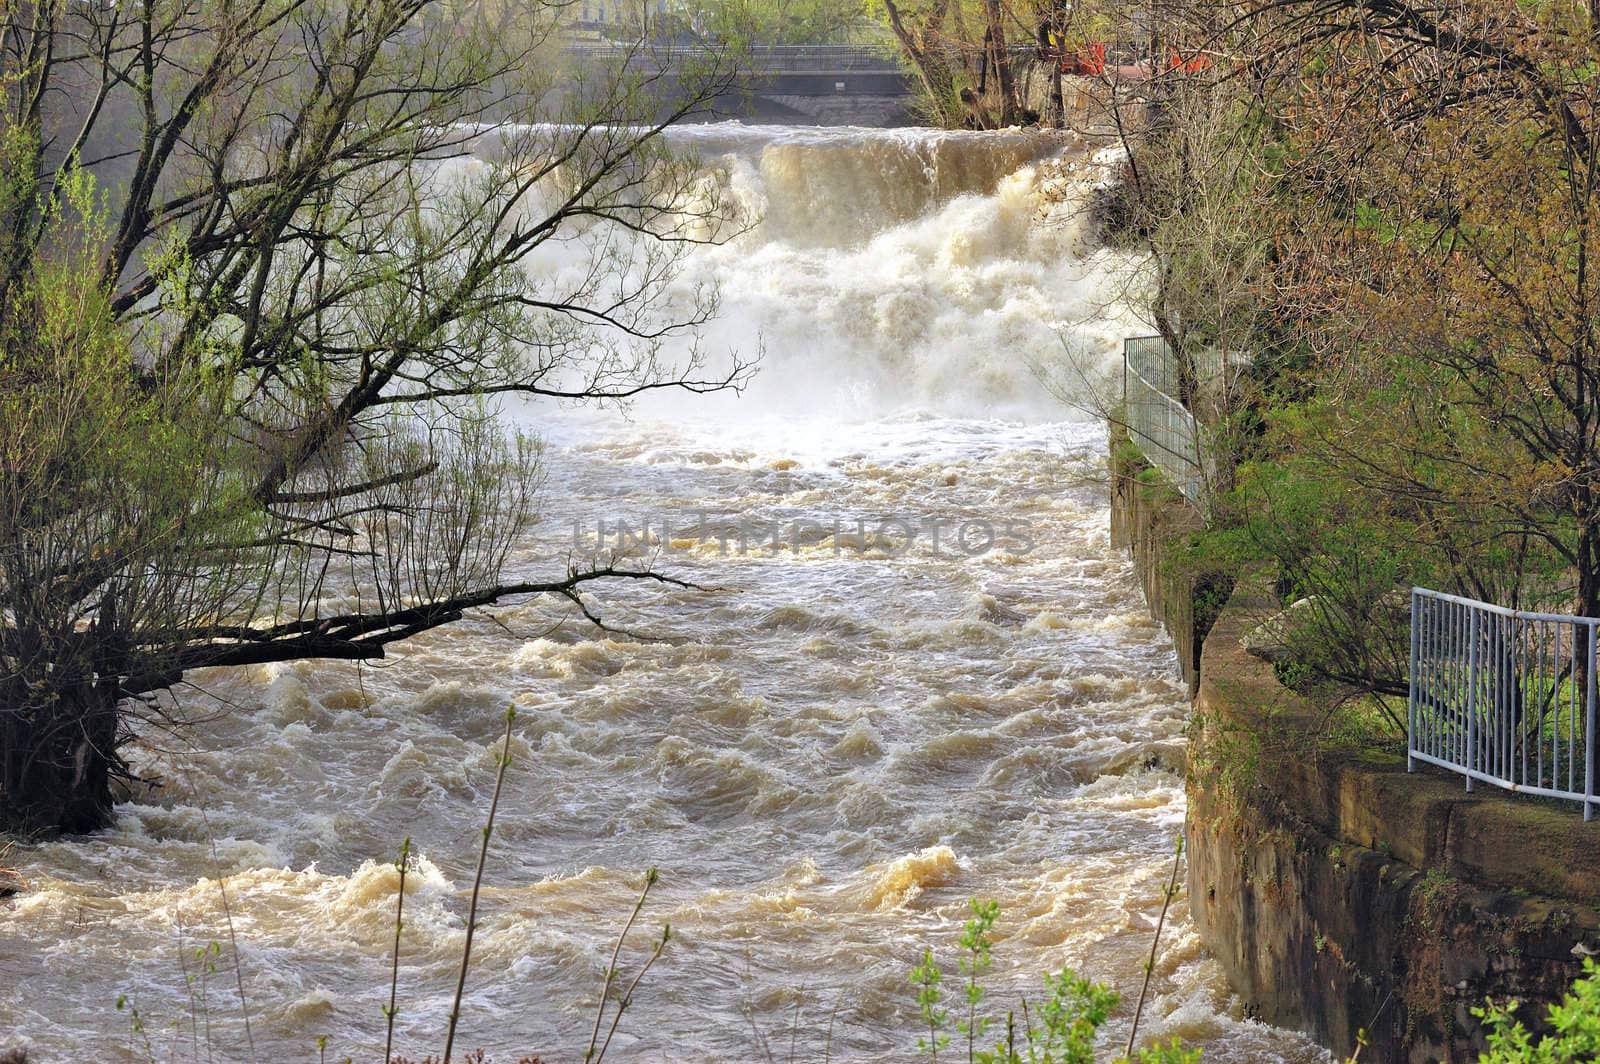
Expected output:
{"points": [[825, 752]]}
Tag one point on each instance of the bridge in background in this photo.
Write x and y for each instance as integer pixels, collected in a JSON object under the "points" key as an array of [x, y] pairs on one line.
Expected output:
{"points": [[808, 84]]}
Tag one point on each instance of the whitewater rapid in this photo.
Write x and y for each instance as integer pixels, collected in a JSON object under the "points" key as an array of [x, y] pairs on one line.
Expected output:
{"points": [[911, 671]]}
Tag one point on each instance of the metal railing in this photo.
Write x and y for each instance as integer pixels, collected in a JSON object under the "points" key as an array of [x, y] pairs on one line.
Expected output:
{"points": [[1164, 431], [757, 59], [1503, 696]]}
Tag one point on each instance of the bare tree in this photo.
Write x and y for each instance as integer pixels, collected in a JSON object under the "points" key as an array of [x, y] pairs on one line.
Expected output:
{"points": [[966, 79], [1410, 270], [264, 264], [921, 38]]}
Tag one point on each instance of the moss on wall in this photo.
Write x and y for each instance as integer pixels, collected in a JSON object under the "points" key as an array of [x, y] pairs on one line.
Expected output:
{"points": [[1340, 892]]}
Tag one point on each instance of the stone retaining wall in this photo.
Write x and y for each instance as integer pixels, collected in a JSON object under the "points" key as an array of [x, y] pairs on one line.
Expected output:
{"points": [[1339, 892]]}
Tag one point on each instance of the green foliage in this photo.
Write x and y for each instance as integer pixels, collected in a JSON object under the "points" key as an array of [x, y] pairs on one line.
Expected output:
{"points": [[101, 457], [926, 978], [1371, 724], [1354, 496], [976, 943], [1435, 266], [1416, 405], [1575, 1024], [1225, 756], [762, 22], [1069, 1020], [1169, 1053], [1059, 1029], [246, 398]]}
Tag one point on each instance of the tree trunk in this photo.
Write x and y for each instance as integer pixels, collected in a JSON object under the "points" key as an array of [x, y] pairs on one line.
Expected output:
{"points": [[930, 70], [1055, 51], [971, 61], [59, 754], [1588, 555], [1000, 58], [59, 734]]}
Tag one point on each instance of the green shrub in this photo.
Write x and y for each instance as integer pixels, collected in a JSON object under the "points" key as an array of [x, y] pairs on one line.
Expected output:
{"points": [[1061, 1030], [1575, 1021]]}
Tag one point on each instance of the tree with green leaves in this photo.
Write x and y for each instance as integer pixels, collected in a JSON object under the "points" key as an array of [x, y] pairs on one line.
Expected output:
{"points": [[265, 267], [1385, 218], [958, 51], [767, 22]]}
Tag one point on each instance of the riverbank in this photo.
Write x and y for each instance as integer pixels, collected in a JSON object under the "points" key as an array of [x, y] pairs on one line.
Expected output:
{"points": [[1339, 892]]}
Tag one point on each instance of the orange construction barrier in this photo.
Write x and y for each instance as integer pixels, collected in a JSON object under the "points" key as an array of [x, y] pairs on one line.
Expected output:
{"points": [[1091, 62]]}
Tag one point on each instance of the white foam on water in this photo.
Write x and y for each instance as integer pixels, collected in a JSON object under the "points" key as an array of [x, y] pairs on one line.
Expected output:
{"points": [[825, 750]]}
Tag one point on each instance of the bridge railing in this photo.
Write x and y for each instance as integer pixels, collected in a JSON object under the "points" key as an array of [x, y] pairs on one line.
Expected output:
{"points": [[1503, 696], [821, 57], [1165, 432]]}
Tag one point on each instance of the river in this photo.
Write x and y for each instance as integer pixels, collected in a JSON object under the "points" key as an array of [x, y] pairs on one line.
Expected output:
{"points": [[914, 672]]}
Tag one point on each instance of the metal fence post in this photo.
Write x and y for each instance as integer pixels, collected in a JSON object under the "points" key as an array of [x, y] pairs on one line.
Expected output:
{"points": [[1127, 411], [1472, 696], [1411, 681], [1588, 729]]}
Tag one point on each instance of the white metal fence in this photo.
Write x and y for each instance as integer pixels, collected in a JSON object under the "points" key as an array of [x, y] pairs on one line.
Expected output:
{"points": [[1159, 425], [1503, 696]]}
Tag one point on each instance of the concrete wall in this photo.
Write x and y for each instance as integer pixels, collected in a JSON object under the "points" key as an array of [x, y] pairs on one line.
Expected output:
{"points": [[1150, 519], [1339, 892]]}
